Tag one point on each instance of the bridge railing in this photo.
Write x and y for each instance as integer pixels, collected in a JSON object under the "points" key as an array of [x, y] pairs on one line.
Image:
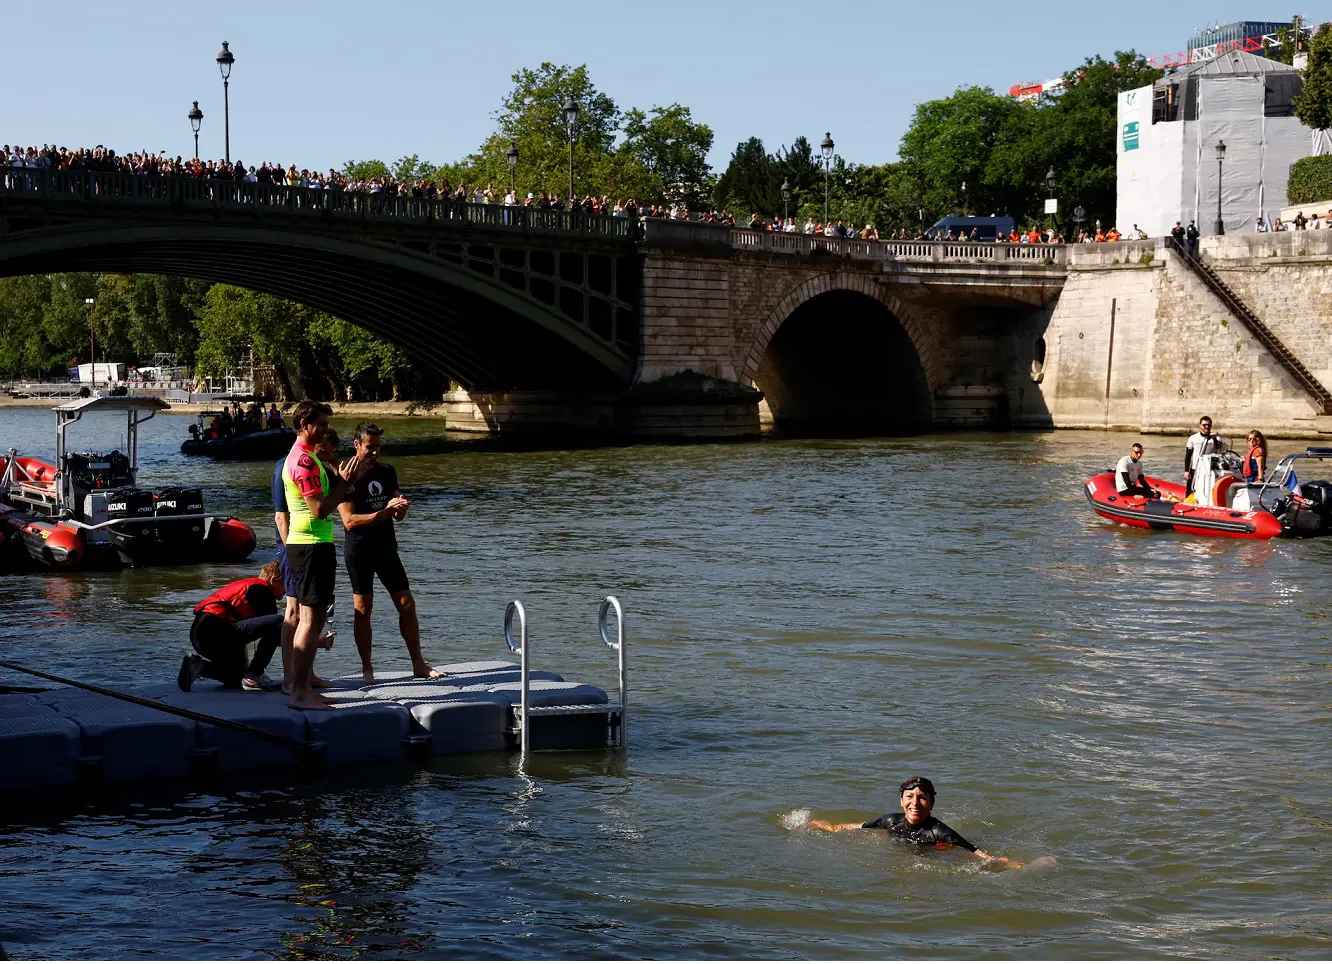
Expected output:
{"points": [[190, 192], [777, 242]]}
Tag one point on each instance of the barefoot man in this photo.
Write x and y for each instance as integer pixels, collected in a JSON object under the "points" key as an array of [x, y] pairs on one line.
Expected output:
{"points": [[313, 492], [282, 521], [372, 550]]}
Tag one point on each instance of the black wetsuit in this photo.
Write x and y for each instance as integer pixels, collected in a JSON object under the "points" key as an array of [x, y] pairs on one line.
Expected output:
{"points": [[927, 834]]}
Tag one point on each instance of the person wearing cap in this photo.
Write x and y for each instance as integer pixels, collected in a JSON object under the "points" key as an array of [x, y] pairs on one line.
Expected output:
{"points": [[915, 824]]}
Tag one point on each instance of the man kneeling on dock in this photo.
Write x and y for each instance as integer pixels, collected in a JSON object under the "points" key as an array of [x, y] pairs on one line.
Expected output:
{"points": [[241, 612]]}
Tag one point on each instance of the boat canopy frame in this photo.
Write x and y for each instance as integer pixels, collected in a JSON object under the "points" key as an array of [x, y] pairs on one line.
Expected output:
{"points": [[1285, 468], [132, 405]]}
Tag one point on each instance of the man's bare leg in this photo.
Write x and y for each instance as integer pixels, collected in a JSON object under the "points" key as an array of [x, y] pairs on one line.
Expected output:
{"points": [[410, 627], [362, 607], [304, 648], [290, 620]]}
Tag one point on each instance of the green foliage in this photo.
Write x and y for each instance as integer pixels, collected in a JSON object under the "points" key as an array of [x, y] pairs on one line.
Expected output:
{"points": [[1310, 179], [1313, 104]]}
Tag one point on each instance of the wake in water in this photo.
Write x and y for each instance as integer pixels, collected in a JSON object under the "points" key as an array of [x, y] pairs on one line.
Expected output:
{"points": [[795, 819]]}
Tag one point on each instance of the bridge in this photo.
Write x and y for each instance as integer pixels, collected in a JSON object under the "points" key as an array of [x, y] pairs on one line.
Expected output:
{"points": [[564, 320]]}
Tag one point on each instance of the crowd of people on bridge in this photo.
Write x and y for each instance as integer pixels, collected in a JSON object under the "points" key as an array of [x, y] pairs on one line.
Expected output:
{"points": [[101, 159]]}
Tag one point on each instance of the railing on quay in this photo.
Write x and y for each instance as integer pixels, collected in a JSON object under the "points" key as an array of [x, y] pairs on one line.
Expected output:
{"points": [[748, 239], [207, 193]]}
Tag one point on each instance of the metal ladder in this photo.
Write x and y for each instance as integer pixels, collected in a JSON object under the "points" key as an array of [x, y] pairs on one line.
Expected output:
{"points": [[615, 711]]}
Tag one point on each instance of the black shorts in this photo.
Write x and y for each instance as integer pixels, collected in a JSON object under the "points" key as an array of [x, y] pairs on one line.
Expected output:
{"points": [[366, 562], [315, 571]]}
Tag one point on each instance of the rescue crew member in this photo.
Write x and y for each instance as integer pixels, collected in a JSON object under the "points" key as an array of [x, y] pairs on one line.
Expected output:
{"points": [[281, 521], [372, 550], [1200, 444], [1255, 463], [274, 416], [1130, 478], [239, 613], [914, 824], [313, 493]]}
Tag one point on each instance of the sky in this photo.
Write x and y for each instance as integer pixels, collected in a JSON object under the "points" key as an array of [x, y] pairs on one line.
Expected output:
{"points": [[320, 84]]}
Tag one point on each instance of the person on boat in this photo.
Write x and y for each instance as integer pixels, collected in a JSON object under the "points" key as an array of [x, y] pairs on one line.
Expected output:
{"points": [[372, 550], [1130, 479], [240, 613], [274, 416], [915, 824], [281, 521], [1255, 463], [1201, 444], [313, 494]]}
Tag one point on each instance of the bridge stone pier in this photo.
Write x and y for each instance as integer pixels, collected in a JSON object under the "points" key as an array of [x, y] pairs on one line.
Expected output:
{"points": [[559, 322]]}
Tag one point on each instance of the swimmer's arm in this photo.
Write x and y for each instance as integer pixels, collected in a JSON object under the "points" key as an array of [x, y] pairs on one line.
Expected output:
{"points": [[832, 827]]}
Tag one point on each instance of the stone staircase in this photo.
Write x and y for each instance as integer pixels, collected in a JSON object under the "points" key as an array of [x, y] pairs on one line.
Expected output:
{"points": [[1284, 356]]}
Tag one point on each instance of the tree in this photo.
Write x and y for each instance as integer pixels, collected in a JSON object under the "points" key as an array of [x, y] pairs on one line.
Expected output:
{"points": [[750, 180], [1313, 104], [669, 147]]}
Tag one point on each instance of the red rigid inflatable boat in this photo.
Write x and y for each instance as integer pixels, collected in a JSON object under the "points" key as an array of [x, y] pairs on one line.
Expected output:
{"points": [[1198, 520], [91, 513]]}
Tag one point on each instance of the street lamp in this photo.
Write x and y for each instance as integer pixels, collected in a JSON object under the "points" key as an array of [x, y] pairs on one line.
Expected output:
{"points": [[1079, 215], [1220, 159], [224, 61], [786, 197], [570, 119], [964, 199], [196, 118], [1050, 194], [92, 339], [827, 148], [512, 155]]}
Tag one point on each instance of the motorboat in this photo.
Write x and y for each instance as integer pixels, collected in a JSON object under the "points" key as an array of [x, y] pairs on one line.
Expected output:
{"points": [[239, 446], [1224, 504], [88, 511]]}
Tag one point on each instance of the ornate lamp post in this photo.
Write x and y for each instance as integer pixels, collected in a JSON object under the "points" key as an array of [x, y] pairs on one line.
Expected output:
{"points": [[786, 198], [224, 61], [512, 155], [1079, 215], [1050, 183], [570, 119], [827, 148], [196, 118], [92, 339], [965, 206], [1220, 159]]}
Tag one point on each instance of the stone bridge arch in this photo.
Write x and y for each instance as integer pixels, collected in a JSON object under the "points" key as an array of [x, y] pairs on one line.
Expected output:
{"points": [[872, 328]]}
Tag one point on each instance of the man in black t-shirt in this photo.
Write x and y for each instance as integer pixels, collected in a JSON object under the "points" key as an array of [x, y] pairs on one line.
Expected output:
{"points": [[915, 825], [372, 550]]}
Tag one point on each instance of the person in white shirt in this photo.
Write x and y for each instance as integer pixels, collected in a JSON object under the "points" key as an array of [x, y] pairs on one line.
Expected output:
{"points": [[1201, 444], [1130, 479], [1262, 226]]}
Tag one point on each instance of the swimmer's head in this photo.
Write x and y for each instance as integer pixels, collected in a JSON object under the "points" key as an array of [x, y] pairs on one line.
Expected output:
{"points": [[917, 800], [918, 783]]}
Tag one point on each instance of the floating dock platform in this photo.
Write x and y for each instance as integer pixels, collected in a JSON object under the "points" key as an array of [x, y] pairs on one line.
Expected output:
{"points": [[68, 736]]}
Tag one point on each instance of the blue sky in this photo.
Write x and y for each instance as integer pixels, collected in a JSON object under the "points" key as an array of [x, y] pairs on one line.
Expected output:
{"points": [[319, 83]]}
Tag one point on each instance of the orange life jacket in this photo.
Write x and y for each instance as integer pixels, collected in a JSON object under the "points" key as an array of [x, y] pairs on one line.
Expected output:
{"points": [[230, 603]]}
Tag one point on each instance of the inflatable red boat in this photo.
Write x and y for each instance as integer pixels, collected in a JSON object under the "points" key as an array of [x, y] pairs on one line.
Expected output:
{"points": [[91, 513], [1278, 506]]}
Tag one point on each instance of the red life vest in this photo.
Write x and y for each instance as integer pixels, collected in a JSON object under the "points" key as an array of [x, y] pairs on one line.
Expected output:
{"points": [[230, 603]]}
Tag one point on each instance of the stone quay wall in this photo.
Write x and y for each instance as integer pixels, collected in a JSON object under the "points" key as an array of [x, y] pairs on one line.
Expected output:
{"points": [[1137, 342]]}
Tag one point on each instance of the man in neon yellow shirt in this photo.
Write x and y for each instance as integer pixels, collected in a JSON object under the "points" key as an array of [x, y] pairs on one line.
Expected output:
{"points": [[313, 492]]}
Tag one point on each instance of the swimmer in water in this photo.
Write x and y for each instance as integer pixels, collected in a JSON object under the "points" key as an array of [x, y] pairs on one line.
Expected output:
{"points": [[915, 825]]}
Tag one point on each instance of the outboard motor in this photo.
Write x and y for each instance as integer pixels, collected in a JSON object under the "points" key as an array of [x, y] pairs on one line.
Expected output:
{"points": [[183, 538], [1310, 513], [133, 535]]}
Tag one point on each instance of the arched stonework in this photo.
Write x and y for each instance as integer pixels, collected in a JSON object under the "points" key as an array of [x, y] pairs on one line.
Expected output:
{"points": [[921, 336]]}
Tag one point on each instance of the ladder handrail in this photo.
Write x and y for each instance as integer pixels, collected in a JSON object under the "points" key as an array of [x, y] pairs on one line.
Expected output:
{"points": [[610, 602], [516, 608]]}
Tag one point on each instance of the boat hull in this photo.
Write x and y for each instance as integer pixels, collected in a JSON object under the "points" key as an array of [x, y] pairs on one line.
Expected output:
{"points": [[1165, 516], [268, 444]]}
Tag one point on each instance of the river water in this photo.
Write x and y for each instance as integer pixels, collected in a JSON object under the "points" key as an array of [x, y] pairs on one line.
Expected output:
{"points": [[811, 622]]}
